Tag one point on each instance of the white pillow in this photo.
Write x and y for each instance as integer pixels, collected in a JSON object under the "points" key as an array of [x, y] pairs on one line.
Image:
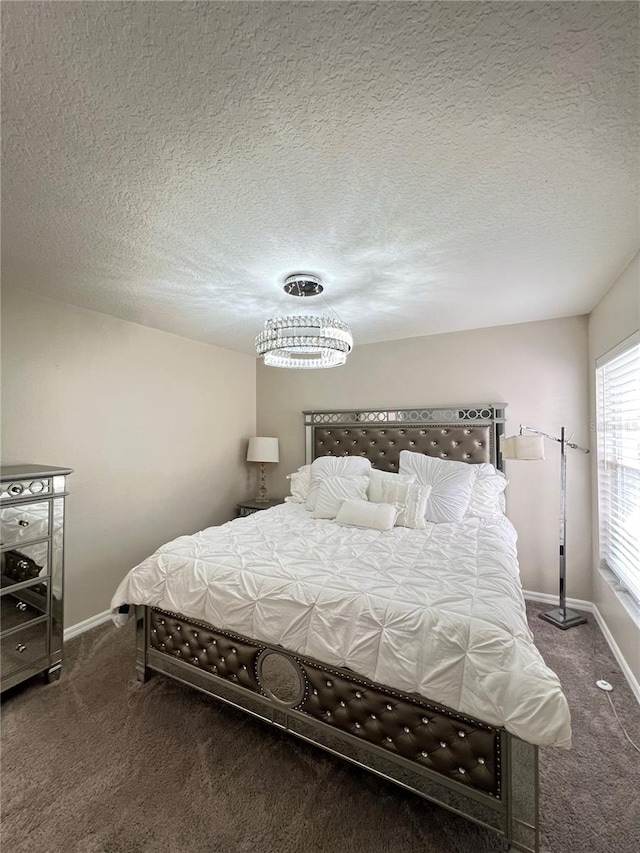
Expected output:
{"points": [[487, 496], [412, 497], [377, 478], [376, 516], [451, 484], [334, 466], [334, 490], [486, 469], [300, 483]]}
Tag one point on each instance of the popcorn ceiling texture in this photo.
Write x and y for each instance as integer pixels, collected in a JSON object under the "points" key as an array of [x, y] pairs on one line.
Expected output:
{"points": [[441, 165]]}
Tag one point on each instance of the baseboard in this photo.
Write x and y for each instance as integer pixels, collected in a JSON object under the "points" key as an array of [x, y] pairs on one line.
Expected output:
{"points": [[590, 607], [545, 598], [624, 666], [87, 624]]}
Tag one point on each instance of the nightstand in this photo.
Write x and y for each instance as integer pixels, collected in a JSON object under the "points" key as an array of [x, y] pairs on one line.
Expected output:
{"points": [[249, 507]]}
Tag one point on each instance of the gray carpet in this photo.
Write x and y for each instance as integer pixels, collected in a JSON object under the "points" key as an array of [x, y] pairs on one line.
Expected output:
{"points": [[100, 764]]}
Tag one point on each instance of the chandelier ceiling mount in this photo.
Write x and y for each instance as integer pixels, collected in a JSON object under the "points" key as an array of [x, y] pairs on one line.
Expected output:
{"points": [[303, 284]]}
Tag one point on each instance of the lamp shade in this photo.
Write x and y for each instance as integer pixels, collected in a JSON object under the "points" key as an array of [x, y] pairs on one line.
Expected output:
{"points": [[263, 449], [528, 447]]}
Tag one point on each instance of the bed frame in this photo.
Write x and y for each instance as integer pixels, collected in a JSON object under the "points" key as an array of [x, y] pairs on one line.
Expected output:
{"points": [[472, 768]]}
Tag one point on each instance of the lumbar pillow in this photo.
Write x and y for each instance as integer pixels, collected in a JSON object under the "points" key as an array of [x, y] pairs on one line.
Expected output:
{"points": [[451, 484], [376, 516], [334, 466], [332, 491], [300, 483], [377, 478]]}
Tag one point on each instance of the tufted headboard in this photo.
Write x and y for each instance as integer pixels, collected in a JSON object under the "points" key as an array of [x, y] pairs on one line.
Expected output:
{"points": [[461, 433]]}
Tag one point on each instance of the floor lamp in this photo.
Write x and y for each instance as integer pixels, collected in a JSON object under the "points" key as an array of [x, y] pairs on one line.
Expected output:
{"points": [[531, 447]]}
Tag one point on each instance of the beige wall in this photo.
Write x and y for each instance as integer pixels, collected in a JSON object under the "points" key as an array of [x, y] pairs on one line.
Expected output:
{"points": [[616, 316], [152, 424], [537, 368]]}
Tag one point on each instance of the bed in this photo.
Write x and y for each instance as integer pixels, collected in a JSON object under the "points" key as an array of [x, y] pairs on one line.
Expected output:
{"points": [[403, 651]]}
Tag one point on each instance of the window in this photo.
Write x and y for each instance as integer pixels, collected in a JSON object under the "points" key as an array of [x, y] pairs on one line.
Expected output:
{"points": [[618, 427]]}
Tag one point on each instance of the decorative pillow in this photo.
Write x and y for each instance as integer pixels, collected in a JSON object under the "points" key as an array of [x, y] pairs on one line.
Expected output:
{"points": [[376, 516], [377, 478], [486, 469], [487, 496], [334, 490], [451, 484], [412, 498], [334, 466], [300, 482]]}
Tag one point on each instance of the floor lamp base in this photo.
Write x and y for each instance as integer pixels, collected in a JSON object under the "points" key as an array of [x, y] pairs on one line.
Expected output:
{"points": [[563, 618]]}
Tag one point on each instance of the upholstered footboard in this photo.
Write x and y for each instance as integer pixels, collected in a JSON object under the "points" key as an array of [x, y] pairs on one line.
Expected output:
{"points": [[472, 768]]}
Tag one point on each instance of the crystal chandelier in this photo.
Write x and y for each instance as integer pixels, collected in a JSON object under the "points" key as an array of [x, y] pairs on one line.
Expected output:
{"points": [[304, 341]]}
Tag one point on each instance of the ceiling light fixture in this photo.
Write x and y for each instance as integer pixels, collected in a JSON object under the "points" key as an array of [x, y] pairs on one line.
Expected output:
{"points": [[304, 341]]}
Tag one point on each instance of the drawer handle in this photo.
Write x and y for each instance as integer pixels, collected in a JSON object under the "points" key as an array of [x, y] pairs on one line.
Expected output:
{"points": [[21, 606], [23, 523], [22, 564], [16, 489], [21, 648]]}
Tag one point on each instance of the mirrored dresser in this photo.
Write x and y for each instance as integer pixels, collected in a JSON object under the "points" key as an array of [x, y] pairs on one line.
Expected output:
{"points": [[32, 571]]}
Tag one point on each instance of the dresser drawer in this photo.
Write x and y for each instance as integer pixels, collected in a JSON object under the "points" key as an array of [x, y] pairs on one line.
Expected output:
{"points": [[24, 523], [24, 605], [23, 648], [26, 564]]}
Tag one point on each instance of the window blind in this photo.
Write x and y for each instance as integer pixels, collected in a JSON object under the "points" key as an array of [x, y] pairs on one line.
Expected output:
{"points": [[618, 427]]}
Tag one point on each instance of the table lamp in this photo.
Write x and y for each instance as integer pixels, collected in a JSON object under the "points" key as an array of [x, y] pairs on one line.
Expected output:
{"points": [[262, 449]]}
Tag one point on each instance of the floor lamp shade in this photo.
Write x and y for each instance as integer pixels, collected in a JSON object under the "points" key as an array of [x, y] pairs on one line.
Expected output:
{"points": [[529, 447], [263, 449]]}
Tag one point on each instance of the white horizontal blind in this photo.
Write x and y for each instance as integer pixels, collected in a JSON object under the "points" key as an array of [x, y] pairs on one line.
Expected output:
{"points": [[618, 390]]}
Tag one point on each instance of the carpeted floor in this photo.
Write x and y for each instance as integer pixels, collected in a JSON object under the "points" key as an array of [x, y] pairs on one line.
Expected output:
{"points": [[98, 763]]}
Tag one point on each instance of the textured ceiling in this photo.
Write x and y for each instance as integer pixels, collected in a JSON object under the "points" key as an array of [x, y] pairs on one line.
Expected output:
{"points": [[442, 166]]}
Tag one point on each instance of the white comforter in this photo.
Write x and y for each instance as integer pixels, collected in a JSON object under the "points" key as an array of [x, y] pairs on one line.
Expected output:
{"points": [[437, 612]]}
